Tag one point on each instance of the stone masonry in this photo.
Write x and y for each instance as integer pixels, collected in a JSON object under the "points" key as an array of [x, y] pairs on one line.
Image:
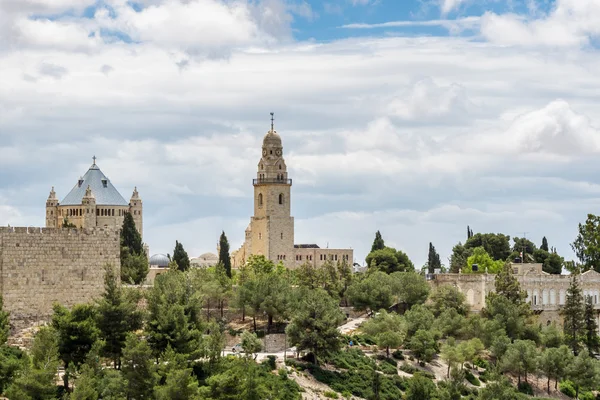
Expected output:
{"points": [[43, 266]]}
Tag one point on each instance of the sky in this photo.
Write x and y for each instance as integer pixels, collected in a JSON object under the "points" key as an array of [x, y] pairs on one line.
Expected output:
{"points": [[412, 117]]}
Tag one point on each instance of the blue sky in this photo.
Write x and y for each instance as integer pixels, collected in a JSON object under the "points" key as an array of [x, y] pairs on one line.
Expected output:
{"points": [[416, 118]]}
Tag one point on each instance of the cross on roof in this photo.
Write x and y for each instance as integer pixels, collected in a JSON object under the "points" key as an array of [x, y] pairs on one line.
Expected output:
{"points": [[94, 158], [272, 121]]}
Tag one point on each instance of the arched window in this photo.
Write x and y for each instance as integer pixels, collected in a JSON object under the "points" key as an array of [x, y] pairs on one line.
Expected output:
{"points": [[260, 199], [282, 235], [561, 297], [280, 198], [279, 166]]}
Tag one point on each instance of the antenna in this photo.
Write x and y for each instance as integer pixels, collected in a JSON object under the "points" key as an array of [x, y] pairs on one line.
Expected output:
{"points": [[524, 248], [272, 121]]}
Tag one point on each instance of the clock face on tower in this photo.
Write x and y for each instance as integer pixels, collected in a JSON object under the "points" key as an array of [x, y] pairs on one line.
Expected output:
{"points": [[278, 152], [264, 152]]}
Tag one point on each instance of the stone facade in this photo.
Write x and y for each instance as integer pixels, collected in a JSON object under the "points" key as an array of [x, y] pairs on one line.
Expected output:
{"points": [[271, 229], [546, 293], [93, 202], [43, 266]]}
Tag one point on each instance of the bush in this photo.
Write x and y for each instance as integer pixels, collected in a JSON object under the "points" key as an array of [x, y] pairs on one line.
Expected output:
{"points": [[270, 362], [525, 388], [409, 369], [481, 363], [298, 365], [566, 388], [472, 379], [387, 368], [330, 394], [398, 355], [350, 359], [586, 396], [260, 334], [282, 372]]}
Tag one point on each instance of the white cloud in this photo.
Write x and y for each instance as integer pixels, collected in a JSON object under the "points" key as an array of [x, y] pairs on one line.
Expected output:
{"points": [[450, 5], [570, 23]]}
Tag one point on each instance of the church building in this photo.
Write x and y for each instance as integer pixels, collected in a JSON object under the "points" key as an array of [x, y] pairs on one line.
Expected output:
{"points": [[93, 202], [271, 229]]}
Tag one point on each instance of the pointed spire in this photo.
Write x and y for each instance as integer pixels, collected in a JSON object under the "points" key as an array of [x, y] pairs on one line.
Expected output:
{"points": [[272, 122], [94, 159], [135, 194], [52, 195]]}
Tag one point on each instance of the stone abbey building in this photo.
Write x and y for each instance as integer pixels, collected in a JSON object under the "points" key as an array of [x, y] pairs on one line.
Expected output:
{"points": [[271, 229], [93, 202]]}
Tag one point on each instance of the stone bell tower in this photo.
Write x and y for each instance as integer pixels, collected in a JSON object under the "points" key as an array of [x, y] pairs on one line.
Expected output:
{"points": [[272, 226], [136, 209], [52, 210]]}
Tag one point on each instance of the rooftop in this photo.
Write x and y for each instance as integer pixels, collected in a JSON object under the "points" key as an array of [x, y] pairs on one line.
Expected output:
{"points": [[104, 191]]}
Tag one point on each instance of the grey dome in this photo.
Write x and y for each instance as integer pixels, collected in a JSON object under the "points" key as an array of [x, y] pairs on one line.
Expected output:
{"points": [[159, 260], [272, 139]]}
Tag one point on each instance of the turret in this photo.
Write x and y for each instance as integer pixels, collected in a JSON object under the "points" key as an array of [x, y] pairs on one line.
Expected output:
{"points": [[52, 210], [88, 202], [135, 208]]}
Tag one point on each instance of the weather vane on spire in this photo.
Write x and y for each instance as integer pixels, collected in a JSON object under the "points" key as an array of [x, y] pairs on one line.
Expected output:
{"points": [[272, 122], [94, 158]]}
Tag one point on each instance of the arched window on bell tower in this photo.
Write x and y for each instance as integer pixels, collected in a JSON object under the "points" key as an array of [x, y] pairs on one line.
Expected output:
{"points": [[280, 198], [260, 199]]}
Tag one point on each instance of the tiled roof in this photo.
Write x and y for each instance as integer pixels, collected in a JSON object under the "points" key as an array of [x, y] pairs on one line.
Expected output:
{"points": [[106, 194]]}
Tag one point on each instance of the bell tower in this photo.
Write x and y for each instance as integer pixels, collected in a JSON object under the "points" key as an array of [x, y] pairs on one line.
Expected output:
{"points": [[272, 226], [52, 220]]}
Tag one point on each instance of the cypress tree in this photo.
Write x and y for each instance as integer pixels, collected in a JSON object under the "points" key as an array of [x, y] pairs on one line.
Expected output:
{"points": [[378, 243], [130, 237], [574, 323], [591, 328], [433, 259], [544, 245], [180, 256], [224, 258]]}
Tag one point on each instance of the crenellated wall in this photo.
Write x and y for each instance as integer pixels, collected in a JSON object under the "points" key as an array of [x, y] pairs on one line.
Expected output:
{"points": [[42, 266]]}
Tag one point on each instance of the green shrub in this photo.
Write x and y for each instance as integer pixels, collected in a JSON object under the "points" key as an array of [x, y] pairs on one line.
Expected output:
{"points": [[525, 388], [586, 396], [349, 359], [282, 372], [270, 362], [472, 379], [298, 365], [260, 334], [387, 368], [330, 394], [398, 355], [566, 388], [409, 369], [481, 363]]}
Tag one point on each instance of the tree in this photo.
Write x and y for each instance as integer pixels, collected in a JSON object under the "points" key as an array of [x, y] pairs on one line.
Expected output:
{"points": [[77, 333], [251, 344], [418, 318], [451, 354], [116, 316], [484, 262], [573, 316], [423, 345], [372, 292], [551, 336], [448, 297], [389, 260], [224, 258], [587, 243], [525, 246], [134, 268], [469, 232], [420, 387], [130, 236], [459, 257], [138, 368], [378, 243], [389, 330], [314, 323], [410, 288], [4, 323], [591, 327], [68, 224], [433, 259], [180, 256], [496, 245], [554, 362], [544, 245], [508, 286], [520, 358], [584, 372]]}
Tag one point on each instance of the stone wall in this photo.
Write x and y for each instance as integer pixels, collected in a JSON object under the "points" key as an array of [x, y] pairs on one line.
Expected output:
{"points": [[274, 343], [43, 266]]}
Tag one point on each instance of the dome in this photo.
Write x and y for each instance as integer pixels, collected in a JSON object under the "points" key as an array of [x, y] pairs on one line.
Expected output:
{"points": [[272, 139], [206, 260], [159, 260]]}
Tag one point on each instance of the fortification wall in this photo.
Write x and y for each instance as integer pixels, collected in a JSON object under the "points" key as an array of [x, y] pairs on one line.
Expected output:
{"points": [[43, 266]]}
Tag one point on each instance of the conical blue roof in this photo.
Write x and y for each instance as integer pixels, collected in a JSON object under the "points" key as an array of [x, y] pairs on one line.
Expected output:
{"points": [[106, 194]]}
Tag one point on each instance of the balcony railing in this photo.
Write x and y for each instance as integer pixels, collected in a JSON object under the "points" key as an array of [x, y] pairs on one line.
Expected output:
{"points": [[271, 181]]}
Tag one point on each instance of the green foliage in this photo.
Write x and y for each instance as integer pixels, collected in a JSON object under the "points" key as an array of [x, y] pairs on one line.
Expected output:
{"points": [[12, 361], [448, 297], [314, 323], [590, 338], [544, 245], [472, 379], [525, 388], [388, 329], [77, 333], [130, 237], [330, 395], [459, 257], [484, 262], [134, 268], [398, 355], [389, 260], [587, 243], [420, 387], [496, 245], [520, 358], [554, 362], [566, 388], [378, 243], [224, 257], [138, 368], [551, 336], [573, 315], [117, 314], [410, 288], [180, 256], [372, 292], [433, 259], [423, 345], [68, 224], [270, 362], [584, 372], [251, 344], [418, 318], [4, 323]]}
